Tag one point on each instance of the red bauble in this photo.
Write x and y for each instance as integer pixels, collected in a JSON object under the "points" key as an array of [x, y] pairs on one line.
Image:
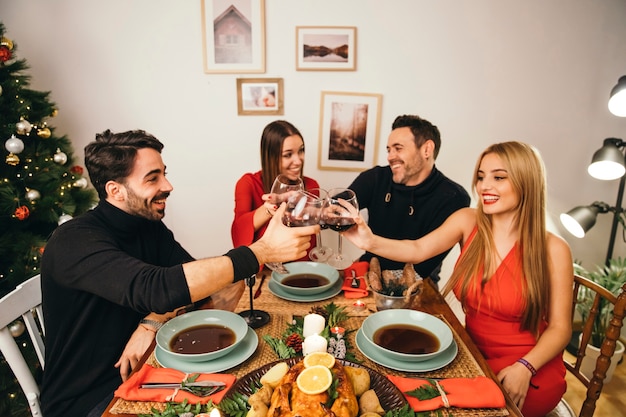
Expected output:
{"points": [[77, 169], [5, 53], [22, 213]]}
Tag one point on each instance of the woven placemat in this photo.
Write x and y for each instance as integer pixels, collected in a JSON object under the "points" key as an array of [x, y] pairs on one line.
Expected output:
{"points": [[283, 311]]}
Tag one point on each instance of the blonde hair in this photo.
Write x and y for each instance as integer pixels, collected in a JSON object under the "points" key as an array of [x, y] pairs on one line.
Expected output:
{"points": [[527, 176]]}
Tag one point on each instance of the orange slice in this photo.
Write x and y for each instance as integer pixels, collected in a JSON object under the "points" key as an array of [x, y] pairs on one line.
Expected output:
{"points": [[319, 358], [314, 380]]}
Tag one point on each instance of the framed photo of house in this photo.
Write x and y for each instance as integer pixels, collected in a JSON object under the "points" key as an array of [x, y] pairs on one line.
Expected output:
{"points": [[233, 36], [325, 48], [349, 130], [259, 96]]}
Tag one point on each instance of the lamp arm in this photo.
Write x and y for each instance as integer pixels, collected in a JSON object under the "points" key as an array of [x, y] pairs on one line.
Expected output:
{"points": [[618, 213]]}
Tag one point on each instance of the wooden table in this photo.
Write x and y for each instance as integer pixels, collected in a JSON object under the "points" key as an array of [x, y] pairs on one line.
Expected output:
{"points": [[431, 301]]}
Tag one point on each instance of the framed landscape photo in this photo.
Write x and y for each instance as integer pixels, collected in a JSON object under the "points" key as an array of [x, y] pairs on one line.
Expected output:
{"points": [[260, 96], [349, 129], [326, 48], [233, 36]]}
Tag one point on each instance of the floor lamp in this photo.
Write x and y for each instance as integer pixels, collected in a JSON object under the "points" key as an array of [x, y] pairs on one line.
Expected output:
{"points": [[608, 163]]}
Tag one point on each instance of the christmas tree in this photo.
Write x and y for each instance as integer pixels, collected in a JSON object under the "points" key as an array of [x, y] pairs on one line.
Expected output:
{"points": [[40, 187]]}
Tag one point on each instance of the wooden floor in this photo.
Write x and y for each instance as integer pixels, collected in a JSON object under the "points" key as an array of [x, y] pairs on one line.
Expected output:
{"points": [[612, 400]]}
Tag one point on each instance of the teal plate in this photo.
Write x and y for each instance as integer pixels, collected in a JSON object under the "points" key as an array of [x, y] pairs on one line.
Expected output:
{"points": [[301, 298], [242, 352], [439, 361]]}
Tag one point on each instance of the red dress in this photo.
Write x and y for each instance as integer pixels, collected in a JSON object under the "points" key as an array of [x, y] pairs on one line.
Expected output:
{"points": [[493, 319], [248, 192]]}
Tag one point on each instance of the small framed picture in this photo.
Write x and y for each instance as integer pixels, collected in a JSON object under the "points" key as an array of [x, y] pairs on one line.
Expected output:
{"points": [[233, 36], [349, 129], [325, 48], [260, 96]]}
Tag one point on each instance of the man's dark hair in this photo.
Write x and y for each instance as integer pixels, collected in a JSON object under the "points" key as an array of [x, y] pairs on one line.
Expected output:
{"points": [[112, 155], [422, 130]]}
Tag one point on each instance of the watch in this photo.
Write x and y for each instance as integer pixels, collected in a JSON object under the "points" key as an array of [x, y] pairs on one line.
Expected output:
{"points": [[156, 325]]}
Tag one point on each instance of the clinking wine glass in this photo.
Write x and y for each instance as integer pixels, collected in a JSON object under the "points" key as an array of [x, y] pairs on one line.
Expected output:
{"points": [[338, 215], [320, 253], [282, 189]]}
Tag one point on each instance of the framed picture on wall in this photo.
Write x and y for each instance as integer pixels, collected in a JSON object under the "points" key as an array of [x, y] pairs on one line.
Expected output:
{"points": [[349, 129], [233, 36], [325, 48], [259, 96]]}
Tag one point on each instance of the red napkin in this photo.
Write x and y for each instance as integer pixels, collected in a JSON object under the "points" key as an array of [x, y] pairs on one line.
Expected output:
{"points": [[478, 392], [360, 269], [130, 390]]}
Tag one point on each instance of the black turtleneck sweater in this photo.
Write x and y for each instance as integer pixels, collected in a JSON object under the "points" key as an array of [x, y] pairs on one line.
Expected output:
{"points": [[410, 212], [101, 273]]}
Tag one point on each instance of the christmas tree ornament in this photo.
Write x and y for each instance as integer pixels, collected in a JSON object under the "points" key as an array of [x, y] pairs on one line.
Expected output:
{"points": [[81, 183], [22, 213], [32, 194], [54, 113], [17, 328], [23, 127], [6, 42], [60, 157], [77, 169], [12, 159], [14, 144], [64, 218], [0, 90], [5, 53], [44, 133]]}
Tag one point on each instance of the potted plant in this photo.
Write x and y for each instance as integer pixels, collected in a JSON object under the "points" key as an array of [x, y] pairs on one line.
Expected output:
{"points": [[611, 277]]}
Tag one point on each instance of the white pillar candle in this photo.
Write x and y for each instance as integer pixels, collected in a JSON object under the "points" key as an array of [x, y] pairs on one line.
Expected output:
{"points": [[314, 343], [313, 324]]}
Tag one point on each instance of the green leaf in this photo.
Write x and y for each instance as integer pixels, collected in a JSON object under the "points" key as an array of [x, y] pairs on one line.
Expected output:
{"points": [[425, 392], [279, 347], [235, 405]]}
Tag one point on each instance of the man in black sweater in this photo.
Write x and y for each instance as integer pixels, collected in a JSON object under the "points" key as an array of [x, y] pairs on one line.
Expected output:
{"points": [[112, 276], [409, 198]]}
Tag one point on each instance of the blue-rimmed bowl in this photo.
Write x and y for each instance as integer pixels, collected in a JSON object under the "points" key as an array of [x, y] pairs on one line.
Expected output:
{"points": [[223, 318], [416, 321], [326, 271]]}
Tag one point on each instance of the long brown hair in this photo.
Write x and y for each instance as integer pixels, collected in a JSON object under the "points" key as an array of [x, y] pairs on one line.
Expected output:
{"points": [[272, 140], [527, 176]]}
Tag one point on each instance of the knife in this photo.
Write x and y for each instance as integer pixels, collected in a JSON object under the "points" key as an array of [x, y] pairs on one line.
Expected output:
{"points": [[179, 385]]}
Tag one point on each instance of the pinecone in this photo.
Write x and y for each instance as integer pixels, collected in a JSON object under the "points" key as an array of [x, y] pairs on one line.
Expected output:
{"points": [[321, 311], [294, 341]]}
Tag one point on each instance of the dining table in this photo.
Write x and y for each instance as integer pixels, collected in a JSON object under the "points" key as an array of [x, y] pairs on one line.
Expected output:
{"points": [[468, 363]]}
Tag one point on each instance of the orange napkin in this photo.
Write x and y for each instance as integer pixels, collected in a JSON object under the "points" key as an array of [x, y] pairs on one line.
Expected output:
{"points": [[130, 390], [478, 392], [360, 269]]}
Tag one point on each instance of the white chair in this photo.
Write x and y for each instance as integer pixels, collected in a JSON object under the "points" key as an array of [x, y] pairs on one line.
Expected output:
{"points": [[22, 301]]}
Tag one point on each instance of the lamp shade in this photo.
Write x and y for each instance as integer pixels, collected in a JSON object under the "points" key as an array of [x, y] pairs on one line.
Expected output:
{"points": [[580, 219], [608, 161], [617, 100]]}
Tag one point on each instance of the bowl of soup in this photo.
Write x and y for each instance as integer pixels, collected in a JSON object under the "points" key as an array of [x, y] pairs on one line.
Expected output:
{"points": [[201, 335], [306, 278], [407, 335]]}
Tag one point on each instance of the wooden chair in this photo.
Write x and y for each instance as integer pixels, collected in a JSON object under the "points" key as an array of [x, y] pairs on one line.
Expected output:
{"points": [[595, 384], [22, 302]]}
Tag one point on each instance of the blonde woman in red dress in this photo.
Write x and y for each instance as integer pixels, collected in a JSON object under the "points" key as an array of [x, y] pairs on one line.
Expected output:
{"points": [[514, 278]]}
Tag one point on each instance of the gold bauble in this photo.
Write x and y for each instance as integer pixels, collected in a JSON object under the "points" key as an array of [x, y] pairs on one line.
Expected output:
{"points": [[44, 133], [54, 113], [12, 159], [7, 42]]}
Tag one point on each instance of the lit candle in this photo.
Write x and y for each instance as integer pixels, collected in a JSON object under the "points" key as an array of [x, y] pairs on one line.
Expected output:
{"points": [[359, 305], [313, 324], [338, 331], [314, 343]]}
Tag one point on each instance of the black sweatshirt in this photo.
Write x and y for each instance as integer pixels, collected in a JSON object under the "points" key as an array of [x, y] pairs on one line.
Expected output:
{"points": [[102, 272]]}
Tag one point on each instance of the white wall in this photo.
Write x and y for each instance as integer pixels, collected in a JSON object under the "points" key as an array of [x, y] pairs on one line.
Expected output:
{"points": [[482, 70]]}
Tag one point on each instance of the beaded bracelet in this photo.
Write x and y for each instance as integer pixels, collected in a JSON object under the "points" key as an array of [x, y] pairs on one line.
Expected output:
{"points": [[528, 365]]}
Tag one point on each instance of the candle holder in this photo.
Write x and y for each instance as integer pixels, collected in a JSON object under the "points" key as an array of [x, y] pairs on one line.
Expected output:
{"points": [[254, 318], [359, 305]]}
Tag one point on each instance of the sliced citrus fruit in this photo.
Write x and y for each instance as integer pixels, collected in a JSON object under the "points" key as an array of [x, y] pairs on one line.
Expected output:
{"points": [[319, 358], [314, 380]]}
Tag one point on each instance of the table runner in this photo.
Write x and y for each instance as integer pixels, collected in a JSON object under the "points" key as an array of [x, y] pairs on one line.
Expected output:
{"points": [[282, 312]]}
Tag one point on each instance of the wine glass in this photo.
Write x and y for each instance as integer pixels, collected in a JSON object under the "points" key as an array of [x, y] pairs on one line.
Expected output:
{"points": [[282, 189], [254, 318], [303, 209], [320, 253], [338, 214]]}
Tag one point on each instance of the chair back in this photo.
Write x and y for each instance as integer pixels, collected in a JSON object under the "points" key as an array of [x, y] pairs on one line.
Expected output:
{"points": [[23, 302], [601, 296]]}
